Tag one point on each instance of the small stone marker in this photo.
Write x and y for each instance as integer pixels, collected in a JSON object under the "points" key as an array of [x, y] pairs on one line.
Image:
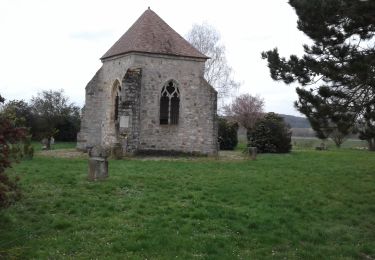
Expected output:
{"points": [[117, 151], [322, 147], [217, 155], [253, 153], [98, 163], [44, 144]]}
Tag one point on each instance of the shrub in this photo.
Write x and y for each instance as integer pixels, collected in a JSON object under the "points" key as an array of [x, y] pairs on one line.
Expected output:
{"points": [[54, 116], [28, 149], [227, 134], [10, 136], [271, 135]]}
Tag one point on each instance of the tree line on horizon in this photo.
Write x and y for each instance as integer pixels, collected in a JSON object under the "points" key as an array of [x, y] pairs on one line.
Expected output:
{"points": [[48, 114]]}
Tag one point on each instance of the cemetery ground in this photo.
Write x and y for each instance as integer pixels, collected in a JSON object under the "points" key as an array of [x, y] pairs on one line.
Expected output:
{"points": [[307, 204]]}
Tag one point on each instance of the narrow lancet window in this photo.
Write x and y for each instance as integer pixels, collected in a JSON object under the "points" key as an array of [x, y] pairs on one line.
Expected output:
{"points": [[116, 107]]}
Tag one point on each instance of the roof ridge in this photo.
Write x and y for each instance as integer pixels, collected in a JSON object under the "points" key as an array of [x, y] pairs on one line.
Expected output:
{"points": [[151, 34]]}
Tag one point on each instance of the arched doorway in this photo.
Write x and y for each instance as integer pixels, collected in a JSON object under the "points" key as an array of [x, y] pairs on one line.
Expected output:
{"points": [[114, 110]]}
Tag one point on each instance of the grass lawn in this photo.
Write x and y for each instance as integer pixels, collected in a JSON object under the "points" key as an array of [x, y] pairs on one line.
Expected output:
{"points": [[307, 205]]}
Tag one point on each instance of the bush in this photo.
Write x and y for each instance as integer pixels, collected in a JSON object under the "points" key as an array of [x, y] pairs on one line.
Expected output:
{"points": [[68, 129], [227, 134], [49, 114], [54, 116], [28, 149], [10, 136], [271, 135]]}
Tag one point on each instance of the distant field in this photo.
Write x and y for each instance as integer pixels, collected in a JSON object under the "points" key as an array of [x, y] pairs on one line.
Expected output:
{"points": [[304, 205], [310, 143]]}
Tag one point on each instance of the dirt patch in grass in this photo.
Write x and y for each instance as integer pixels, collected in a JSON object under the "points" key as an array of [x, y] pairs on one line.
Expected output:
{"points": [[232, 155], [73, 153], [223, 156], [63, 153]]}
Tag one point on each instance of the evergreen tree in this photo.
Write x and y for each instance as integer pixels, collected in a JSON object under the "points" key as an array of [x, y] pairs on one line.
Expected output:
{"points": [[339, 66], [227, 134], [271, 135]]}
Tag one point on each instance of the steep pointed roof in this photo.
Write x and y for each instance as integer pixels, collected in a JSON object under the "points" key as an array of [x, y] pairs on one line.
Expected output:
{"points": [[150, 34]]}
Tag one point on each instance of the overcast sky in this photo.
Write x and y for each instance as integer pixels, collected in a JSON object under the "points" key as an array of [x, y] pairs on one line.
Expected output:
{"points": [[48, 44]]}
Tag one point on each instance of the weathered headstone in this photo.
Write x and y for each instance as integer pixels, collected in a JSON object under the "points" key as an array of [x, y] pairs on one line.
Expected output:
{"points": [[117, 151], [217, 155], [98, 163], [252, 152], [44, 144]]}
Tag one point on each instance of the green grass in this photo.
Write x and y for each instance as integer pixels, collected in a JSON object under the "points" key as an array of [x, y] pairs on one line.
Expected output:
{"points": [[241, 146], [306, 205]]}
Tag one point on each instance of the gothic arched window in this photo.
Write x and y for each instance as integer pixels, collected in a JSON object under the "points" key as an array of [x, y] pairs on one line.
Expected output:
{"points": [[169, 104]]}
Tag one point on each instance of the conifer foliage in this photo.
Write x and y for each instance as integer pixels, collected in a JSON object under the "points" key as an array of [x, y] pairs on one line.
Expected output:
{"points": [[271, 135], [337, 72]]}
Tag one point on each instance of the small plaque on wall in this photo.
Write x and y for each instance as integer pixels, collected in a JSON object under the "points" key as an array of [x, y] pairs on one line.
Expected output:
{"points": [[124, 121]]}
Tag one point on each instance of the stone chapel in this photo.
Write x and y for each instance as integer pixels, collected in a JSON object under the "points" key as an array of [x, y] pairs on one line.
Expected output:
{"points": [[150, 95]]}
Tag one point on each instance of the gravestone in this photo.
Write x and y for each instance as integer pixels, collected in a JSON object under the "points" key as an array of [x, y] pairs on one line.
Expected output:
{"points": [[117, 151], [45, 144], [253, 152], [98, 163]]}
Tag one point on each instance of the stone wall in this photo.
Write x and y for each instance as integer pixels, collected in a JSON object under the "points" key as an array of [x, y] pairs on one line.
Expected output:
{"points": [[196, 131], [129, 110], [91, 121]]}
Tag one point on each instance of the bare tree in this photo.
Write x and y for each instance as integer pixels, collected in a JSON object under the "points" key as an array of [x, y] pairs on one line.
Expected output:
{"points": [[246, 110], [338, 137], [218, 73]]}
